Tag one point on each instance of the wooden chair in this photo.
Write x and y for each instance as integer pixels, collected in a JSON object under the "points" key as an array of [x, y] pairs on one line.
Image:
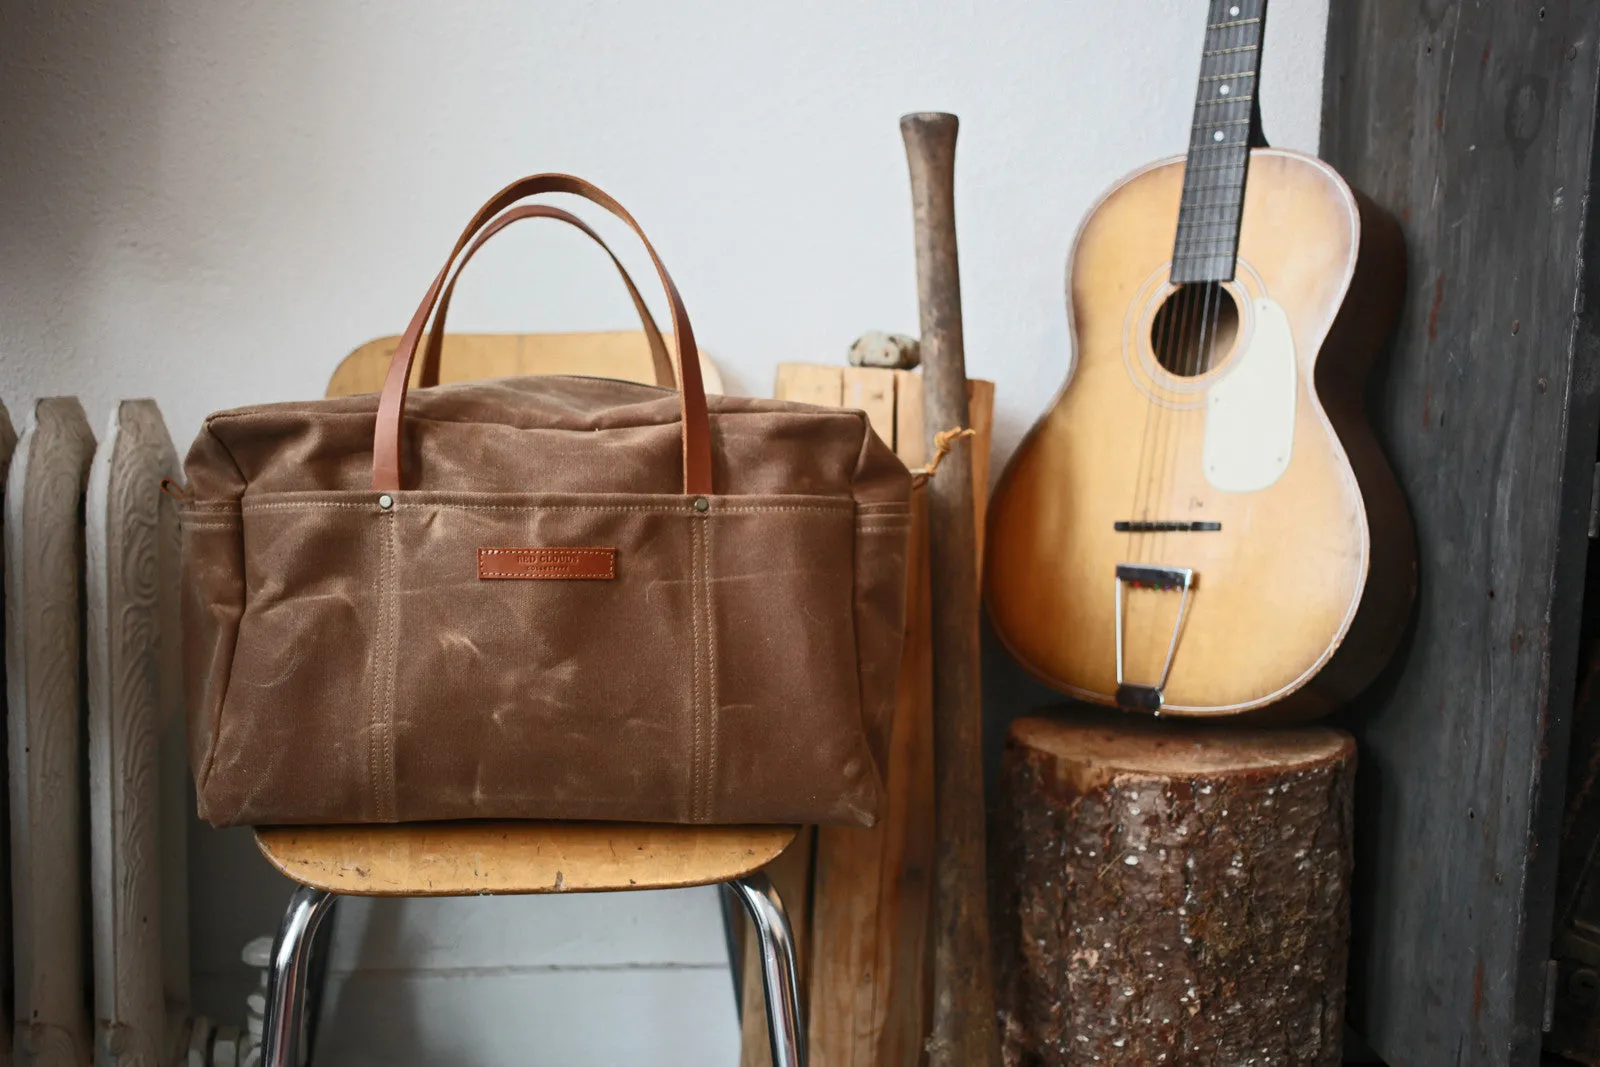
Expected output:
{"points": [[494, 858]]}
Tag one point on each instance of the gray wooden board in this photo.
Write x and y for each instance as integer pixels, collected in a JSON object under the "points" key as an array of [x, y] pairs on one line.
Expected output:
{"points": [[1474, 124], [8, 442]]}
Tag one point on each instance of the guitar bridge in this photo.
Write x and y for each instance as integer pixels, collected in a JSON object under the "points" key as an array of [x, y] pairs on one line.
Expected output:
{"points": [[1141, 697]]}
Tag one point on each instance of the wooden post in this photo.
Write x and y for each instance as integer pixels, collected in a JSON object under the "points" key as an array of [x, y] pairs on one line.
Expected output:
{"points": [[963, 983], [1174, 894], [1488, 407]]}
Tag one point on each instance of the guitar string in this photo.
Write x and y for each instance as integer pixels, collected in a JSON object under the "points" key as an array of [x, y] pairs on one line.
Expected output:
{"points": [[1168, 361], [1171, 420], [1183, 358], [1231, 37], [1194, 323], [1139, 505], [1198, 358]]}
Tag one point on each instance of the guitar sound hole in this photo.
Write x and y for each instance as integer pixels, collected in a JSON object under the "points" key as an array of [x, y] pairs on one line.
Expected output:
{"points": [[1195, 328]]}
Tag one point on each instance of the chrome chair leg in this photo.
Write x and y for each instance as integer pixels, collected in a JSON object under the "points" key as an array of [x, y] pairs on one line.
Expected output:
{"points": [[728, 905], [778, 976], [283, 1027]]}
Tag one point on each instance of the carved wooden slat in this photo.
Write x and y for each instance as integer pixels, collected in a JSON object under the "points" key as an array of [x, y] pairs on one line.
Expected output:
{"points": [[44, 562], [132, 637]]}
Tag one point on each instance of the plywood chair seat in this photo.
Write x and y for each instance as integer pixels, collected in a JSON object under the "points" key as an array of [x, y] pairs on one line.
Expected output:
{"points": [[488, 858]]}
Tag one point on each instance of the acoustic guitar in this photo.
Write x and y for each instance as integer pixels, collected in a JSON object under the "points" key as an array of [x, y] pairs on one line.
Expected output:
{"points": [[1202, 523]]}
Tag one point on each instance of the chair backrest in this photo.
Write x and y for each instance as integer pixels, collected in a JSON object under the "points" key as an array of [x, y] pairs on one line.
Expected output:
{"points": [[623, 354]]}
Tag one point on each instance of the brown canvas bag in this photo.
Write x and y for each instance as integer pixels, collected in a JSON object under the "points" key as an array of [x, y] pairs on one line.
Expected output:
{"points": [[553, 597]]}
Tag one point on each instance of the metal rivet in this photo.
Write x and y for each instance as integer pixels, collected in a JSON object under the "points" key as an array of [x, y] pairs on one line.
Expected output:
{"points": [[702, 504], [386, 501]]}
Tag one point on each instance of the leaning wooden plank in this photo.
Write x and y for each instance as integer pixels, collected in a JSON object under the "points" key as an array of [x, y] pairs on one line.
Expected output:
{"points": [[871, 389], [980, 404], [872, 890], [909, 444], [8, 443], [131, 584], [44, 562], [809, 383], [1487, 406]]}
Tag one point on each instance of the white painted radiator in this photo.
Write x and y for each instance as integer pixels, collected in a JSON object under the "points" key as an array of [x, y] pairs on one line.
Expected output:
{"points": [[98, 795]]}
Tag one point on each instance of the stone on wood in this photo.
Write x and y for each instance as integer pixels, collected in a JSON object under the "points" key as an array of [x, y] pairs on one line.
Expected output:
{"points": [[878, 349]]}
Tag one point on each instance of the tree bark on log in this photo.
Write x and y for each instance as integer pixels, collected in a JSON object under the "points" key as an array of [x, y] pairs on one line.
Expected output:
{"points": [[1174, 894]]}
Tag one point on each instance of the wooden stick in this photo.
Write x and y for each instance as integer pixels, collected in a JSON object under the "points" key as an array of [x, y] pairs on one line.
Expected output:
{"points": [[964, 1033]]}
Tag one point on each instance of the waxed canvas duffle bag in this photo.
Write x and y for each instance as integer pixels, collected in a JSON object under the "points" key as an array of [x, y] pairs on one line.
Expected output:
{"points": [[551, 597]]}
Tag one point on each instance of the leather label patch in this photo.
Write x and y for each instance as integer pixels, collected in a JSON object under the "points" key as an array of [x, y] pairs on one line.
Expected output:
{"points": [[547, 564]]}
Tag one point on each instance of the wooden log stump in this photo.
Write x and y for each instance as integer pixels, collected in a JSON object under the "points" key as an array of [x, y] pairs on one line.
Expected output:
{"points": [[1174, 894]]}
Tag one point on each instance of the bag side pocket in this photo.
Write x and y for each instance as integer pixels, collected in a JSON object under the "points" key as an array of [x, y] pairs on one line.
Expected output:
{"points": [[211, 607]]}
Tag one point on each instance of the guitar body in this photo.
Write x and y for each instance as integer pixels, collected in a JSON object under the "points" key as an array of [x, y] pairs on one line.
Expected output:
{"points": [[1252, 471]]}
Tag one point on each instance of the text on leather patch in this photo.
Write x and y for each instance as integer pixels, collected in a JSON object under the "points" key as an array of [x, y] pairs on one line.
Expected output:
{"points": [[547, 564]]}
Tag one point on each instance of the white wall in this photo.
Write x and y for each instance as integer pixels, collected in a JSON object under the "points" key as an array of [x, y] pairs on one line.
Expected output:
{"points": [[211, 201]]}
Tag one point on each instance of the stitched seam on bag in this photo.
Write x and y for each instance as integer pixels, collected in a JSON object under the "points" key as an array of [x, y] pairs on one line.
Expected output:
{"points": [[382, 669], [716, 703], [377, 686], [694, 702], [317, 409], [610, 554], [203, 779], [392, 609], [707, 683], [302, 504], [665, 509], [548, 577]]}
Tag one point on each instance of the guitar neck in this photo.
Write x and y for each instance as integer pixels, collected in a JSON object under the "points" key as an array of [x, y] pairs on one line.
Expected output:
{"points": [[1219, 142]]}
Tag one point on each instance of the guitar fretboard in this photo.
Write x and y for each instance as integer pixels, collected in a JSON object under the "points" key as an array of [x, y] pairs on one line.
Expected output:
{"points": [[1219, 143]]}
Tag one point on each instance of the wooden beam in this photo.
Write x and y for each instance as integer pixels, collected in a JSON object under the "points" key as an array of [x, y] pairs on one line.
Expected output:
{"points": [[1474, 125]]}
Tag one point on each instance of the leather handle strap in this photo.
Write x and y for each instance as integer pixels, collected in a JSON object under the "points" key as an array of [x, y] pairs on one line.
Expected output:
{"points": [[386, 438], [660, 357]]}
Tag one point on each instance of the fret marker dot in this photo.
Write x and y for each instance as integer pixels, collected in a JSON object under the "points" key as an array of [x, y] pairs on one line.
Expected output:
{"points": [[1217, 136], [1224, 90], [1234, 11]]}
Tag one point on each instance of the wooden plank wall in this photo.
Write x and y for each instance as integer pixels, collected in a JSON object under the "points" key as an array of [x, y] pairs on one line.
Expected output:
{"points": [[1473, 122]]}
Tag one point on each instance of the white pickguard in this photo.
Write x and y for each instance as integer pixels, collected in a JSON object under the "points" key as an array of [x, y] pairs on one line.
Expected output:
{"points": [[1250, 411]]}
